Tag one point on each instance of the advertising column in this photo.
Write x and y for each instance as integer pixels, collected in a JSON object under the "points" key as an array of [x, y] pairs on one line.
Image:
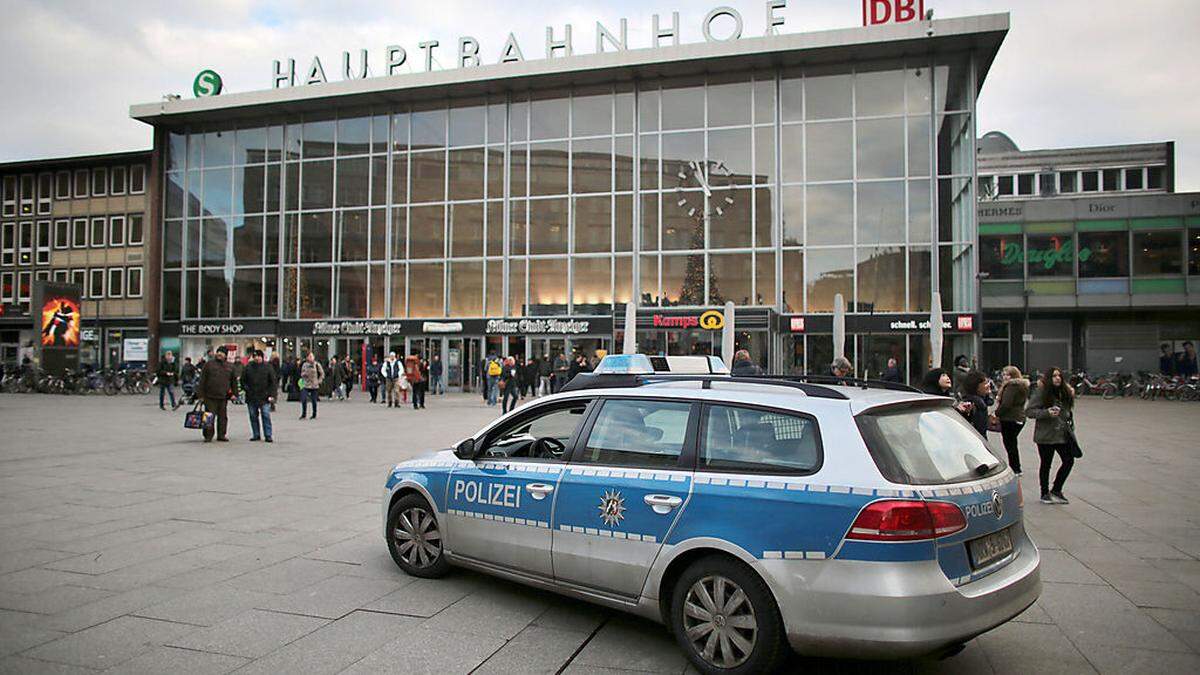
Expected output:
{"points": [[57, 322]]}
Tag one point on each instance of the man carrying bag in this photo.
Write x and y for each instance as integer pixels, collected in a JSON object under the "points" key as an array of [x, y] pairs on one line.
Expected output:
{"points": [[214, 388]]}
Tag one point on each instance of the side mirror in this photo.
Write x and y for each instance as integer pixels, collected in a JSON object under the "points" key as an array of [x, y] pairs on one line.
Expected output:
{"points": [[465, 449]]}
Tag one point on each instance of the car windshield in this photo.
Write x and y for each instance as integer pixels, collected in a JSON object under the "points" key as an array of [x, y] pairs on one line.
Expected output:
{"points": [[927, 444]]}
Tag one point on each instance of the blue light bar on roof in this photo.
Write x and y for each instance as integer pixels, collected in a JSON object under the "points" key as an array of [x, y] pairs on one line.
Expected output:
{"points": [[624, 364]]}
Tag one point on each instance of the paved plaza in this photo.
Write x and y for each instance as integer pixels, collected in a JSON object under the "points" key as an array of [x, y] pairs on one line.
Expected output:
{"points": [[127, 544]]}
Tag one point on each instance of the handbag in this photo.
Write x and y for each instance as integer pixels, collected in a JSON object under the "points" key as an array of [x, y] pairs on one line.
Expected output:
{"points": [[1073, 443], [993, 424], [198, 417]]}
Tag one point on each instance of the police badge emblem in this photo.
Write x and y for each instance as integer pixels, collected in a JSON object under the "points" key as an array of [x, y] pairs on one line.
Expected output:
{"points": [[612, 508]]}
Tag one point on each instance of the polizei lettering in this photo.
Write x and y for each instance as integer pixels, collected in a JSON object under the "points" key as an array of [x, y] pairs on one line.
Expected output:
{"points": [[980, 509], [492, 494]]}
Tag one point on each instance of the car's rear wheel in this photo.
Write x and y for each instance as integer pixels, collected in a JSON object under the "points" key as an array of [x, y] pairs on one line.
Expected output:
{"points": [[725, 618], [414, 538]]}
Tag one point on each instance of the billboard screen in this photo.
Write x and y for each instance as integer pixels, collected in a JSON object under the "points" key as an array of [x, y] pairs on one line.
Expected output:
{"points": [[58, 320]]}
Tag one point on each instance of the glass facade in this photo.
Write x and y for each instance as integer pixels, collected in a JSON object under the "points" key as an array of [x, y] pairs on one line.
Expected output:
{"points": [[777, 188]]}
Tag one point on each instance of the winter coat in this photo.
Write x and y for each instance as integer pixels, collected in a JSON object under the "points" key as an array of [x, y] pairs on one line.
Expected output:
{"points": [[216, 380], [745, 368], [892, 374], [259, 382], [929, 383], [1048, 429], [374, 372], [168, 371], [978, 416], [543, 365], [188, 372], [1011, 400], [312, 373]]}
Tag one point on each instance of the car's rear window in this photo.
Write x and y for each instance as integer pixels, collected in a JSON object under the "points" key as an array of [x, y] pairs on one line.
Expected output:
{"points": [[926, 444]]}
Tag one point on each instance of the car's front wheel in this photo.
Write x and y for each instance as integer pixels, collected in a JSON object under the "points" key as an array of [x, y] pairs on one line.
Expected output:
{"points": [[725, 618], [414, 538]]}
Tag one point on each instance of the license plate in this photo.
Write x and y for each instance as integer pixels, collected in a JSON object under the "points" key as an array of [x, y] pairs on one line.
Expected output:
{"points": [[990, 548]]}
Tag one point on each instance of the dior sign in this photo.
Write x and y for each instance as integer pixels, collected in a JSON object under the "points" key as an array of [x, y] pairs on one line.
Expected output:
{"points": [[721, 24]]}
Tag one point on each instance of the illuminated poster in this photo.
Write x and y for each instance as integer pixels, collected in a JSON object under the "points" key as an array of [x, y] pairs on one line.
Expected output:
{"points": [[58, 320]]}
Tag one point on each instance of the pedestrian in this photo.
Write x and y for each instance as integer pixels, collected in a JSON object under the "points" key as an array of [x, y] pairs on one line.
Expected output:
{"points": [[575, 368], [545, 372], [841, 367], [1010, 410], [416, 371], [892, 372], [216, 388], [260, 383], [312, 375], [435, 376], [494, 370], [349, 375], [961, 367], [374, 374], [976, 396], [275, 368], [743, 366], [1187, 366], [1166, 360], [392, 375], [1052, 408], [235, 373], [333, 379], [187, 373], [508, 384], [167, 373], [483, 376], [562, 373], [522, 381], [937, 382]]}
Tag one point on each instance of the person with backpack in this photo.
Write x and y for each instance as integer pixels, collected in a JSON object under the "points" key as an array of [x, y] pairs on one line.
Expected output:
{"points": [[494, 370]]}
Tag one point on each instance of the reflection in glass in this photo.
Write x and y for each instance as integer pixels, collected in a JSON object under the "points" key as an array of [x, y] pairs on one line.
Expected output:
{"points": [[881, 212], [548, 168], [428, 179], [316, 293], [1157, 253], [648, 109], [919, 224], [764, 154], [547, 226], [352, 291], [353, 233], [731, 219], [729, 104], [879, 90], [218, 149], [764, 211], [316, 191], [591, 115], [730, 275], [377, 290], [318, 139], [648, 281], [826, 94], [173, 243], [353, 185], [683, 221], [829, 151], [623, 276], [466, 288], [920, 278], [649, 216], [918, 146], [593, 224], [592, 285], [764, 101], [427, 232], [1001, 256], [880, 148], [216, 236], [516, 287], [495, 173], [830, 214], [731, 148], [248, 240], [466, 230], [218, 191], [316, 238], [1102, 254], [428, 129], [466, 174], [793, 216], [494, 287], [674, 269], [495, 228], [214, 295], [467, 125], [517, 227], [591, 166], [881, 279], [399, 278], [399, 233], [251, 146], [379, 191], [683, 107], [353, 136], [426, 287], [764, 278], [827, 273]]}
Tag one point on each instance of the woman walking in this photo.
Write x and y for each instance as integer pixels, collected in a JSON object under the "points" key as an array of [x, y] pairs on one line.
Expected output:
{"points": [[1010, 410], [333, 379], [1052, 406], [509, 388], [311, 379]]}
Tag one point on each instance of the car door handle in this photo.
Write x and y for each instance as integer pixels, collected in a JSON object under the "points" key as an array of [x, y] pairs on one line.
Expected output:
{"points": [[539, 490], [662, 503]]}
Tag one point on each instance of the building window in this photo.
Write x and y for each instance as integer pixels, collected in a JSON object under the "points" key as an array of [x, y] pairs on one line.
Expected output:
{"points": [[1154, 178], [27, 195], [7, 291], [1002, 256], [1046, 186], [1050, 255], [117, 180], [1133, 179], [116, 230], [43, 242], [61, 276], [95, 287], [97, 239], [137, 179], [62, 233], [1194, 251], [116, 282], [1004, 185], [24, 282], [99, 181], [79, 232], [79, 278], [1156, 253], [1103, 254], [25, 243], [8, 239], [133, 282], [137, 232], [987, 187], [1112, 180], [62, 185], [10, 195], [1090, 181], [1025, 184], [81, 182], [1066, 181], [42, 275], [45, 193]]}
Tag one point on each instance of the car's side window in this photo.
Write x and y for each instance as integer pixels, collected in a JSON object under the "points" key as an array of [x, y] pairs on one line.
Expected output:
{"points": [[521, 437], [638, 433], [747, 439]]}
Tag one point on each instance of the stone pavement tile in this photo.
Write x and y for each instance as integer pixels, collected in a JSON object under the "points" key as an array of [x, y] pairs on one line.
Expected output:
{"points": [[330, 598], [580, 669], [252, 634], [19, 665], [1175, 619], [1061, 566], [353, 550], [537, 649], [334, 646], [379, 566], [89, 539], [1095, 612], [254, 559], [1154, 550], [1172, 595], [36, 580], [1034, 614], [420, 650], [1186, 571], [147, 572], [109, 644], [1023, 647], [20, 631], [572, 615], [109, 608], [1111, 659], [288, 576], [116, 557], [54, 600], [207, 606], [632, 643], [973, 660], [174, 660], [13, 560], [426, 597], [499, 611]]}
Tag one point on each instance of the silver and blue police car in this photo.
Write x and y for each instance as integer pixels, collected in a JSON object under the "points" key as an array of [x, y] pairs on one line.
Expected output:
{"points": [[749, 515]]}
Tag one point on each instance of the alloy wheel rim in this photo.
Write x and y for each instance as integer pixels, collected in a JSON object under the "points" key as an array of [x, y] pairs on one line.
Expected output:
{"points": [[418, 540], [719, 621]]}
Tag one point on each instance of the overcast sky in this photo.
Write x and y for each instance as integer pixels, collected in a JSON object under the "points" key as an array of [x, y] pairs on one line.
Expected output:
{"points": [[1071, 72]]}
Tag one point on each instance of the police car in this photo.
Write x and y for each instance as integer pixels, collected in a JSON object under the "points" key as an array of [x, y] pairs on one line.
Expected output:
{"points": [[746, 514]]}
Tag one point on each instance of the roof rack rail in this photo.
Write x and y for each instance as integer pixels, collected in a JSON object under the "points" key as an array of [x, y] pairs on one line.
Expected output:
{"points": [[584, 381], [845, 381]]}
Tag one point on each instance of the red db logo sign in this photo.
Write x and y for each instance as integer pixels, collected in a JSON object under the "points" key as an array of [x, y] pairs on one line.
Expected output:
{"points": [[875, 12], [966, 323]]}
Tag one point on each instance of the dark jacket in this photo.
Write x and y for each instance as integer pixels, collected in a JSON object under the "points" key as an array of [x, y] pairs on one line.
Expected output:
{"points": [[543, 366], [1048, 429], [216, 380], [929, 383], [745, 368], [374, 372], [561, 367], [435, 368], [1013, 396], [508, 375], [168, 372], [891, 374], [188, 372], [532, 369], [978, 416], [259, 382]]}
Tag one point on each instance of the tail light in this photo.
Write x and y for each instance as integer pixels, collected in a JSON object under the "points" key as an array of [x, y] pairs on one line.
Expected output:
{"points": [[901, 520]]}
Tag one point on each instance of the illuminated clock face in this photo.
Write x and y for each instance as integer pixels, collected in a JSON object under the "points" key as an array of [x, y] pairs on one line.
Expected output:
{"points": [[702, 173]]}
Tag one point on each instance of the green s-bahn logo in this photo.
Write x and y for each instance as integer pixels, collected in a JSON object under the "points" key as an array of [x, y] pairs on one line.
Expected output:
{"points": [[207, 83]]}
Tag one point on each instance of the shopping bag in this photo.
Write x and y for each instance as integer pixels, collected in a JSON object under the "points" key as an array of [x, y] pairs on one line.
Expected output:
{"points": [[198, 418]]}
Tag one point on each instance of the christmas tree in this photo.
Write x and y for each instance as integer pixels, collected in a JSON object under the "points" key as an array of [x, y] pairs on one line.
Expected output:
{"points": [[692, 292]]}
